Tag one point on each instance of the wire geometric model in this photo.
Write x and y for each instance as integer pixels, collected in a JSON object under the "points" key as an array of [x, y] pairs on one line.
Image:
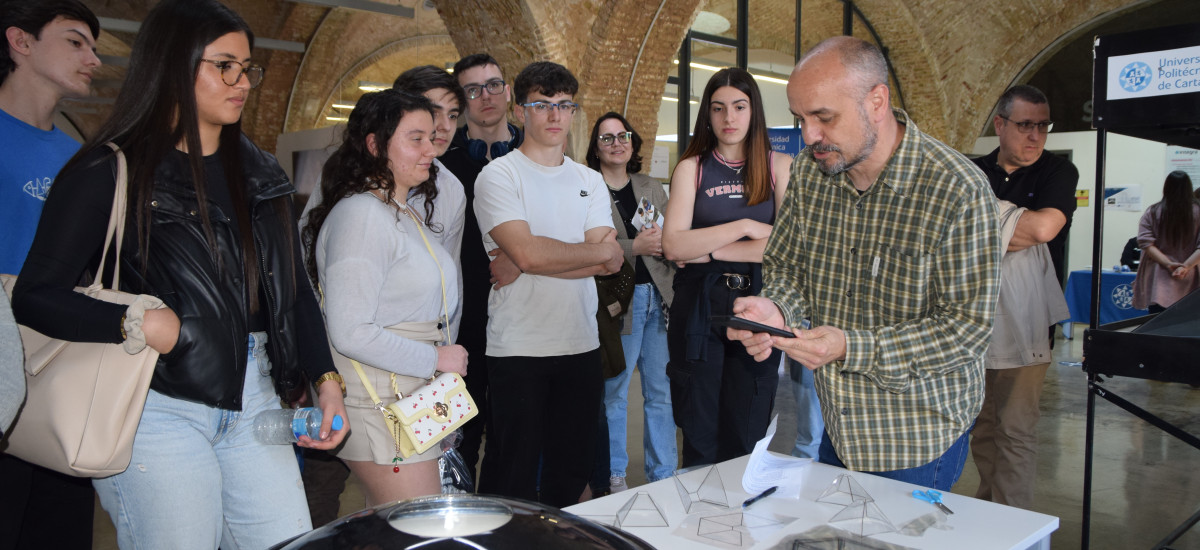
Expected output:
{"points": [[863, 518], [641, 511], [844, 491], [735, 529], [824, 537], [701, 489]]}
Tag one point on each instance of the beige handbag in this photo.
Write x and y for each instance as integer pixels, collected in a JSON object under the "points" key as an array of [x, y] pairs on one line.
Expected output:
{"points": [[84, 399]]}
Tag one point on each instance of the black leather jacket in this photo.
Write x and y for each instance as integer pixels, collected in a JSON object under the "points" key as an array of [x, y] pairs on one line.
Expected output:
{"points": [[208, 363]]}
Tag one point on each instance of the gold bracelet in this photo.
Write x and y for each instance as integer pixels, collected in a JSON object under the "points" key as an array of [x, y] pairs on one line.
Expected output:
{"points": [[331, 375], [123, 336]]}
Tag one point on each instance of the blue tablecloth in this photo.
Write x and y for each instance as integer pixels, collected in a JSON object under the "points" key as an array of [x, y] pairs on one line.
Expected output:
{"points": [[1116, 296]]}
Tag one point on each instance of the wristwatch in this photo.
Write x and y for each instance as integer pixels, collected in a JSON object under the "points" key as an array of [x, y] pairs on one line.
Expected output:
{"points": [[331, 375]]}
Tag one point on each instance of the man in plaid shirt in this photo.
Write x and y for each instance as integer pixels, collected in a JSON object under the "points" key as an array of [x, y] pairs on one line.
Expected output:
{"points": [[888, 242]]}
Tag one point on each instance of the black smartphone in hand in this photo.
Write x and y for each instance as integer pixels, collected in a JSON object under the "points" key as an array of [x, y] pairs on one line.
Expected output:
{"points": [[733, 321]]}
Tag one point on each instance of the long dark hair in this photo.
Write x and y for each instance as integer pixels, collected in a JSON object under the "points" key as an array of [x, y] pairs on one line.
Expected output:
{"points": [[593, 153], [156, 109], [1177, 222], [757, 146], [353, 169]]}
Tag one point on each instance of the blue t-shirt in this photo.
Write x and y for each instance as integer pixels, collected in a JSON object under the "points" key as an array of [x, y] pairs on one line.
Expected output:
{"points": [[30, 158]]}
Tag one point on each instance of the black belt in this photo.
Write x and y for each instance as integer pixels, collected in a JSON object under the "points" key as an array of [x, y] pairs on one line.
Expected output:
{"points": [[736, 281]]}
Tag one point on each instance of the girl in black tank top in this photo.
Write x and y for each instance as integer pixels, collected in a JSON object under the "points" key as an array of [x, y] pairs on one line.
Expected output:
{"points": [[725, 194]]}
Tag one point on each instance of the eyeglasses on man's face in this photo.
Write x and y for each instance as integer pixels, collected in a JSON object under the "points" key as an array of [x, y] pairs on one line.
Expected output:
{"points": [[494, 86], [1027, 126], [608, 139], [544, 107], [232, 71]]}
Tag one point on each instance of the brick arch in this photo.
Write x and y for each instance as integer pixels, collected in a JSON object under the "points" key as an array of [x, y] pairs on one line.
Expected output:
{"points": [[383, 66], [630, 58], [347, 44], [506, 29], [599, 40], [955, 59]]}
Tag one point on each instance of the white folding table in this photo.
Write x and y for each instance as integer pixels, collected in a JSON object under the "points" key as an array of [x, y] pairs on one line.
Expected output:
{"points": [[976, 524]]}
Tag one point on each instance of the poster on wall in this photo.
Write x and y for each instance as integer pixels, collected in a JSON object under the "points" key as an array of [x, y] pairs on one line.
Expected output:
{"points": [[1186, 159], [659, 161], [1123, 199], [786, 140], [1135, 76]]}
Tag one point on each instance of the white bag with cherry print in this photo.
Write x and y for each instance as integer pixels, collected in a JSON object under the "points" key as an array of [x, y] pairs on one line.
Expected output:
{"points": [[432, 412]]}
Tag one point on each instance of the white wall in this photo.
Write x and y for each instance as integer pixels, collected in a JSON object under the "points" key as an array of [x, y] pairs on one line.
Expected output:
{"points": [[1129, 161], [325, 139]]}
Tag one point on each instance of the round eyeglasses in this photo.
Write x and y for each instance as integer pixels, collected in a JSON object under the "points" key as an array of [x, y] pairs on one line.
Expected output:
{"points": [[493, 87], [608, 139], [232, 71]]}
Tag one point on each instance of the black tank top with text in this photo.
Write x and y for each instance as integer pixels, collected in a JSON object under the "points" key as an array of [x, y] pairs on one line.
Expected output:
{"points": [[721, 195]]}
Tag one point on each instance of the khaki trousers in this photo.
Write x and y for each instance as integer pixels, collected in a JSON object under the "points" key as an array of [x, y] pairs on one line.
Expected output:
{"points": [[1004, 441]]}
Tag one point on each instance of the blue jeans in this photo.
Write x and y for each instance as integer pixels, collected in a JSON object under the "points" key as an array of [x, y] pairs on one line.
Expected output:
{"points": [[809, 425], [941, 473], [199, 479], [646, 348]]}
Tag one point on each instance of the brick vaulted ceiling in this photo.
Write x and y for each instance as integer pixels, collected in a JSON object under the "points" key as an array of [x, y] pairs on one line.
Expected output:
{"points": [[952, 57]]}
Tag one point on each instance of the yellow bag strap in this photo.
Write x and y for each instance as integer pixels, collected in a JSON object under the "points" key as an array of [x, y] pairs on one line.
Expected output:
{"points": [[441, 274]]}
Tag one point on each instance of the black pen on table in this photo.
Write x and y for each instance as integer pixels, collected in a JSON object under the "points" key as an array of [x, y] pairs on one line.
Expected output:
{"points": [[758, 497]]}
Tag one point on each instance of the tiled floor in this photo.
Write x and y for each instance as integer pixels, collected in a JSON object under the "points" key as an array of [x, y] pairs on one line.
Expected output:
{"points": [[1144, 484]]}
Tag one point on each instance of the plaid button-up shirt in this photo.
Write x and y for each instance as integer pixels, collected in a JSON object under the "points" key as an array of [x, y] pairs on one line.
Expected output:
{"points": [[910, 270]]}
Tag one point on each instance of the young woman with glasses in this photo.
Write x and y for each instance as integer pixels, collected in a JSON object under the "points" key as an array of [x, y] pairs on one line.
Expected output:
{"points": [[615, 151], [725, 193], [212, 233]]}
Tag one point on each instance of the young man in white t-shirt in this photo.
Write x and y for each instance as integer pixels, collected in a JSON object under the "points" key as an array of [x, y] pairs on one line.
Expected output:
{"points": [[549, 216]]}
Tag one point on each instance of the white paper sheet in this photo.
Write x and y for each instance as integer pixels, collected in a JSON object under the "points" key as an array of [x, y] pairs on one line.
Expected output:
{"points": [[766, 470]]}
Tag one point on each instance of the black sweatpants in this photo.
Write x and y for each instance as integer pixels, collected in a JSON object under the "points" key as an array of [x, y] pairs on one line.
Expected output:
{"points": [[544, 411], [723, 403]]}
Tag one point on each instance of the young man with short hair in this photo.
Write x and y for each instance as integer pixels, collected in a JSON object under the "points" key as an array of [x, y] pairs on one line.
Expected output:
{"points": [[485, 137], [550, 216], [450, 205], [48, 53]]}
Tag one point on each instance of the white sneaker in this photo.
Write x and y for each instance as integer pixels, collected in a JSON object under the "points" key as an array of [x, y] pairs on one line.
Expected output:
{"points": [[617, 484]]}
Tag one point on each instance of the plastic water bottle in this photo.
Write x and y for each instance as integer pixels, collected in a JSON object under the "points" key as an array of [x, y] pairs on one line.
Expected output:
{"points": [[284, 426]]}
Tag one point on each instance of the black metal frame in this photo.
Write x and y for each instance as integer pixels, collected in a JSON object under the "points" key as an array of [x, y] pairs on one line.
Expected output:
{"points": [[1148, 352], [682, 79]]}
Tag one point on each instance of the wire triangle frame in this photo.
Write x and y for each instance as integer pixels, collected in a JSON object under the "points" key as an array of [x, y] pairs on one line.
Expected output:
{"points": [[863, 518], [844, 491], [641, 511], [708, 494]]}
